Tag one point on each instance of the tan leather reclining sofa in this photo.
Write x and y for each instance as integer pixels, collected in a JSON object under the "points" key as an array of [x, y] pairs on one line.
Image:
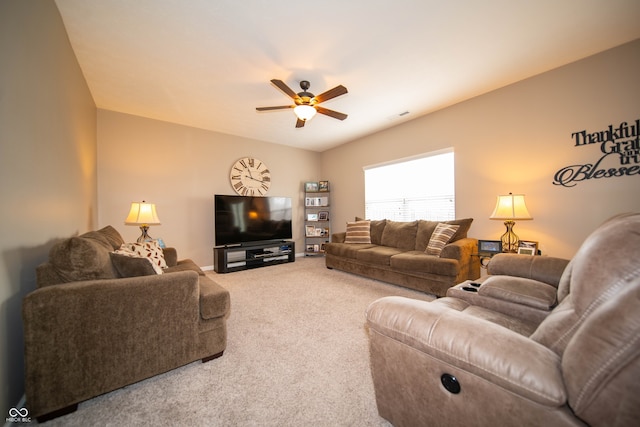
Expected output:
{"points": [[98, 321], [541, 342]]}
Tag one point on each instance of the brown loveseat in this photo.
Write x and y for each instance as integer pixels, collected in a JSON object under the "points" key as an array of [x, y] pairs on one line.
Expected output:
{"points": [[456, 362], [89, 330], [397, 255]]}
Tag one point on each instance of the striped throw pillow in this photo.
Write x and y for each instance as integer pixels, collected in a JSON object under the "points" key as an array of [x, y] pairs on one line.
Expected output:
{"points": [[440, 237], [358, 232]]}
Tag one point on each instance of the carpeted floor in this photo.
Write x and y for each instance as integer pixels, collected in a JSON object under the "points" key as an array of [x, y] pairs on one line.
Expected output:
{"points": [[297, 355]]}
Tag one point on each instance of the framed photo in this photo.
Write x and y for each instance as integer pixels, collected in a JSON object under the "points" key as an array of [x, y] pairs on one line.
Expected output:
{"points": [[527, 247], [310, 230], [490, 246], [323, 186], [323, 216], [312, 217], [310, 186], [309, 248], [526, 251]]}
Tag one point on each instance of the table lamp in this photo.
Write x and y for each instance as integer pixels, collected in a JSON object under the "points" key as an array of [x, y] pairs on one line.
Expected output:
{"points": [[143, 214], [509, 208]]}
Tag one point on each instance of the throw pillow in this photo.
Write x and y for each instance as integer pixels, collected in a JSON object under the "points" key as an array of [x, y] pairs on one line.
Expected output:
{"points": [[84, 257], [150, 250], [358, 232], [130, 265], [440, 237]]}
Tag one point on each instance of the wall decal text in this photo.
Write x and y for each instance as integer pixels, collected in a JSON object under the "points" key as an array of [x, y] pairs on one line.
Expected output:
{"points": [[621, 143]]}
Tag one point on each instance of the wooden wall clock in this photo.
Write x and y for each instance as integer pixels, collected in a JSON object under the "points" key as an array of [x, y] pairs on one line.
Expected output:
{"points": [[250, 177]]}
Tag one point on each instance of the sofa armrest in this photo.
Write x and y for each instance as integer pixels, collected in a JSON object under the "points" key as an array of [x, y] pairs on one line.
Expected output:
{"points": [[338, 237], [170, 256], [486, 350], [460, 249], [541, 268], [90, 337]]}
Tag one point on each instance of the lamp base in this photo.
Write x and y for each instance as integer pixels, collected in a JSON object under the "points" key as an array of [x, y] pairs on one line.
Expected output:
{"points": [[145, 236], [509, 239]]}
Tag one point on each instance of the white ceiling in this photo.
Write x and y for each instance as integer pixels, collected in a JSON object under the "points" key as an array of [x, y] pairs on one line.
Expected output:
{"points": [[207, 63]]}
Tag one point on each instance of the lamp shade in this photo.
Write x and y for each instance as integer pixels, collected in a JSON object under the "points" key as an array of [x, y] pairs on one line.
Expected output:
{"points": [[142, 213], [305, 112], [510, 207]]}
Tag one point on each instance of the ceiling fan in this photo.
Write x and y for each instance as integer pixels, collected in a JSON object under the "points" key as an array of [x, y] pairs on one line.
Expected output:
{"points": [[306, 103]]}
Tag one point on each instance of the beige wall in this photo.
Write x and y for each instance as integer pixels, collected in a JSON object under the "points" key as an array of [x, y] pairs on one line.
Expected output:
{"points": [[514, 140], [180, 169], [47, 163]]}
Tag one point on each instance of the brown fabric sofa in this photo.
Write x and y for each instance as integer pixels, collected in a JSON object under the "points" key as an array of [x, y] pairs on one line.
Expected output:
{"points": [[455, 362], [88, 330], [397, 255]]}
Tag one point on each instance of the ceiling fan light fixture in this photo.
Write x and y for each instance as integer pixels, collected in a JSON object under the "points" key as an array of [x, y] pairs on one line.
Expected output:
{"points": [[304, 112]]}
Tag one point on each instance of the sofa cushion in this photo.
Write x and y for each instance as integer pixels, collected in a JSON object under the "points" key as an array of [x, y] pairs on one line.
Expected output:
{"points": [[426, 229], [185, 265], [345, 250], [401, 235], [84, 257], [380, 255], [440, 237], [112, 236], [358, 232], [128, 265], [419, 262]]}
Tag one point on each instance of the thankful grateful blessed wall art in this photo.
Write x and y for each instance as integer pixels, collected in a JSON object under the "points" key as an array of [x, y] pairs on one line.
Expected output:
{"points": [[619, 149]]}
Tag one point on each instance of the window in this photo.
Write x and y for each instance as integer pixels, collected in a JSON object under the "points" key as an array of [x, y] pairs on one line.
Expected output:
{"points": [[409, 189]]}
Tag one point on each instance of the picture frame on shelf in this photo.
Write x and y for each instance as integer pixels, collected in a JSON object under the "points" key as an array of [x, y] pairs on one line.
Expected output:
{"points": [[310, 231], [527, 247], [312, 217], [310, 187], [323, 216], [309, 248], [323, 186]]}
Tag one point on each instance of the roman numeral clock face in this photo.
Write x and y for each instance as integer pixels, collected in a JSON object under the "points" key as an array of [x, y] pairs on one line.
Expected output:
{"points": [[250, 177]]}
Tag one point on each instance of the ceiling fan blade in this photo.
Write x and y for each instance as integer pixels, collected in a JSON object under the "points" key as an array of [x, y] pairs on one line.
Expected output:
{"points": [[331, 93], [300, 123], [286, 89], [331, 113], [282, 107]]}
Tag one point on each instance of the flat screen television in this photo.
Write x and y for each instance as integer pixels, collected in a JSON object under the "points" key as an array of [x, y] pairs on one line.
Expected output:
{"points": [[248, 219]]}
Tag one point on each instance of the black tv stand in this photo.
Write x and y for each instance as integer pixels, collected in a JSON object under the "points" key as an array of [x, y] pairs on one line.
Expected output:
{"points": [[229, 258]]}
